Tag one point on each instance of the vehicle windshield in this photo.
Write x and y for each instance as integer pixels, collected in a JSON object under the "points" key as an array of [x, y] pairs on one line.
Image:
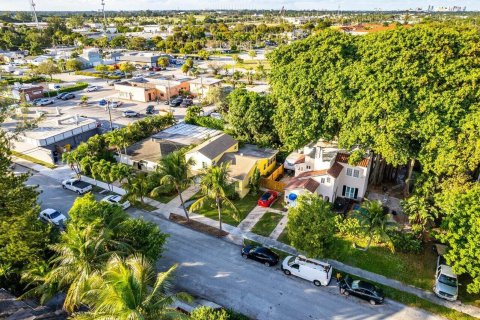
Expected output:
{"points": [[291, 261], [449, 281], [54, 214], [355, 284], [266, 196]]}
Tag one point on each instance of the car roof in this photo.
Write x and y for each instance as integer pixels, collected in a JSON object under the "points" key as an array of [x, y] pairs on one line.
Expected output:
{"points": [[49, 210], [447, 270]]}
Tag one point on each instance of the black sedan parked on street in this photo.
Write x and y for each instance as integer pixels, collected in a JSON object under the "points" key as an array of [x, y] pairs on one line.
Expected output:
{"points": [[260, 254], [361, 289]]}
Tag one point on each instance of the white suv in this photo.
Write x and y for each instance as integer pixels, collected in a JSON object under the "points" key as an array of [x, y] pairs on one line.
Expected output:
{"points": [[446, 282]]}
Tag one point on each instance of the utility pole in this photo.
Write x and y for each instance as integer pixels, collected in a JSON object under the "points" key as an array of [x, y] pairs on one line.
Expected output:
{"points": [[110, 115], [104, 17], [34, 13]]}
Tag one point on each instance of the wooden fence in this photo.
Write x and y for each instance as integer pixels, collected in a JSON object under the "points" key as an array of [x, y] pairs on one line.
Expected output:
{"points": [[278, 172], [272, 184]]}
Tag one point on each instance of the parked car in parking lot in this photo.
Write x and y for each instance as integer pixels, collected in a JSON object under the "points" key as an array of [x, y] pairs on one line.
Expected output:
{"points": [[76, 185], [43, 102], [103, 102], [113, 199], [92, 88], [52, 216], [130, 114], [61, 95], [267, 199], [176, 102], [150, 109], [260, 254], [186, 103], [68, 96], [362, 289], [116, 104], [112, 82]]}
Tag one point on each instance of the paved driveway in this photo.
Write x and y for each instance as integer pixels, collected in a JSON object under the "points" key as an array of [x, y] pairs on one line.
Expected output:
{"points": [[213, 269]]}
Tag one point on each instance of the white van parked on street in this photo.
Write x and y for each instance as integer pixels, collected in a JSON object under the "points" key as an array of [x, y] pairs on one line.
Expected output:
{"points": [[312, 270]]}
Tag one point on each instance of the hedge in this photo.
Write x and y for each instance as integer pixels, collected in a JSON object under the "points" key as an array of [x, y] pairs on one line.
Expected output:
{"points": [[96, 75], [12, 80], [75, 87]]}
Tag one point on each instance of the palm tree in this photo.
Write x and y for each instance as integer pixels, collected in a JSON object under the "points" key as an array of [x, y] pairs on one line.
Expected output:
{"points": [[174, 172], [130, 289], [215, 187], [137, 187], [374, 222], [78, 254]]}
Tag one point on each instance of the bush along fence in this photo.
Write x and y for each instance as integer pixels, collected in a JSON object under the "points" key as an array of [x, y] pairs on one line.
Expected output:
{"points": [[97, 75], [76, 87]]}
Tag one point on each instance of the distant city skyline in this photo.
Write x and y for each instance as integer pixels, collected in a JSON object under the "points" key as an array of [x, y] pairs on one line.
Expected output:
{"points": [[114, 5]]}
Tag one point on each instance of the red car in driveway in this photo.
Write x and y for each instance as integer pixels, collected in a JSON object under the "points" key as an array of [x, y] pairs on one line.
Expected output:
{"points": [[267, 199]]}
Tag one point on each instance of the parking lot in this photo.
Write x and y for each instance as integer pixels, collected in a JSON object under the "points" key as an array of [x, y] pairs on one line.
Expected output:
{"points": [[95, 111]]}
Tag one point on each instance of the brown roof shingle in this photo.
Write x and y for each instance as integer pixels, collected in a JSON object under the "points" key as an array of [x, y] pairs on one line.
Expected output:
{"points": [[335, 170], [308, 184], [343, 158], [312, 173]]}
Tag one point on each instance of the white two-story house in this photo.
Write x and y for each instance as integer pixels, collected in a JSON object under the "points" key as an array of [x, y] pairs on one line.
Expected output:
{"points": [[323, 169]]}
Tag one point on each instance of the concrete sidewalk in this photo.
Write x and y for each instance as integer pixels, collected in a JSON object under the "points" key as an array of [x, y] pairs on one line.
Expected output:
{"points": [[237, 235]]}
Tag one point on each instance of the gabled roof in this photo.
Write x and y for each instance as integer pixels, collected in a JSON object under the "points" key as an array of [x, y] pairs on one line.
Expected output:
{"points": [[214, 147], [335, 170], [343, 158], [308, 184], [312, 173]]}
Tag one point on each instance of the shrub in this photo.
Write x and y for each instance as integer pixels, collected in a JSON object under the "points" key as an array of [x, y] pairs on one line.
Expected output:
{"points": [[405, 242], [348, 227], [96, 75]]}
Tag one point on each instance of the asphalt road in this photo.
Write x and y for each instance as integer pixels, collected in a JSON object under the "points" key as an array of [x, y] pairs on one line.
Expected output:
{"points": [[214, 270]]}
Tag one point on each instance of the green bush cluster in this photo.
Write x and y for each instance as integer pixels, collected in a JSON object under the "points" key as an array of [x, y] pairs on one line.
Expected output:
{"points": [[405, 242], [96, 75], [24, 79]]}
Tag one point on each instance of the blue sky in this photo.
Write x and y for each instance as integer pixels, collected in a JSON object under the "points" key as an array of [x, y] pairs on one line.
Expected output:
{"points": [[233, 4]]}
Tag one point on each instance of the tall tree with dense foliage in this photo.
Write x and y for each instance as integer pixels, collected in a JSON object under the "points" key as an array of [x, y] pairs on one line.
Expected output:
{"points": [[130, 289], [174, 172], [409, 95], [308, 86], [24, 239], [461, 229], [216, 189], [311, 225], [249, 117], [48, 68]]}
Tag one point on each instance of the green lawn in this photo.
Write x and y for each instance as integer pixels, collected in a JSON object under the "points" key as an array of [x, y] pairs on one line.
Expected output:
{"points": [[279, 204], [414, 269], [267, 223], [244, 206], [145, 206], [165, 198], [284, 236]]}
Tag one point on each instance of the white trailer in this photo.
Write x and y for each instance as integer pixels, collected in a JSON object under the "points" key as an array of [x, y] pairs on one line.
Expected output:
{"points": [[318, 272]]}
